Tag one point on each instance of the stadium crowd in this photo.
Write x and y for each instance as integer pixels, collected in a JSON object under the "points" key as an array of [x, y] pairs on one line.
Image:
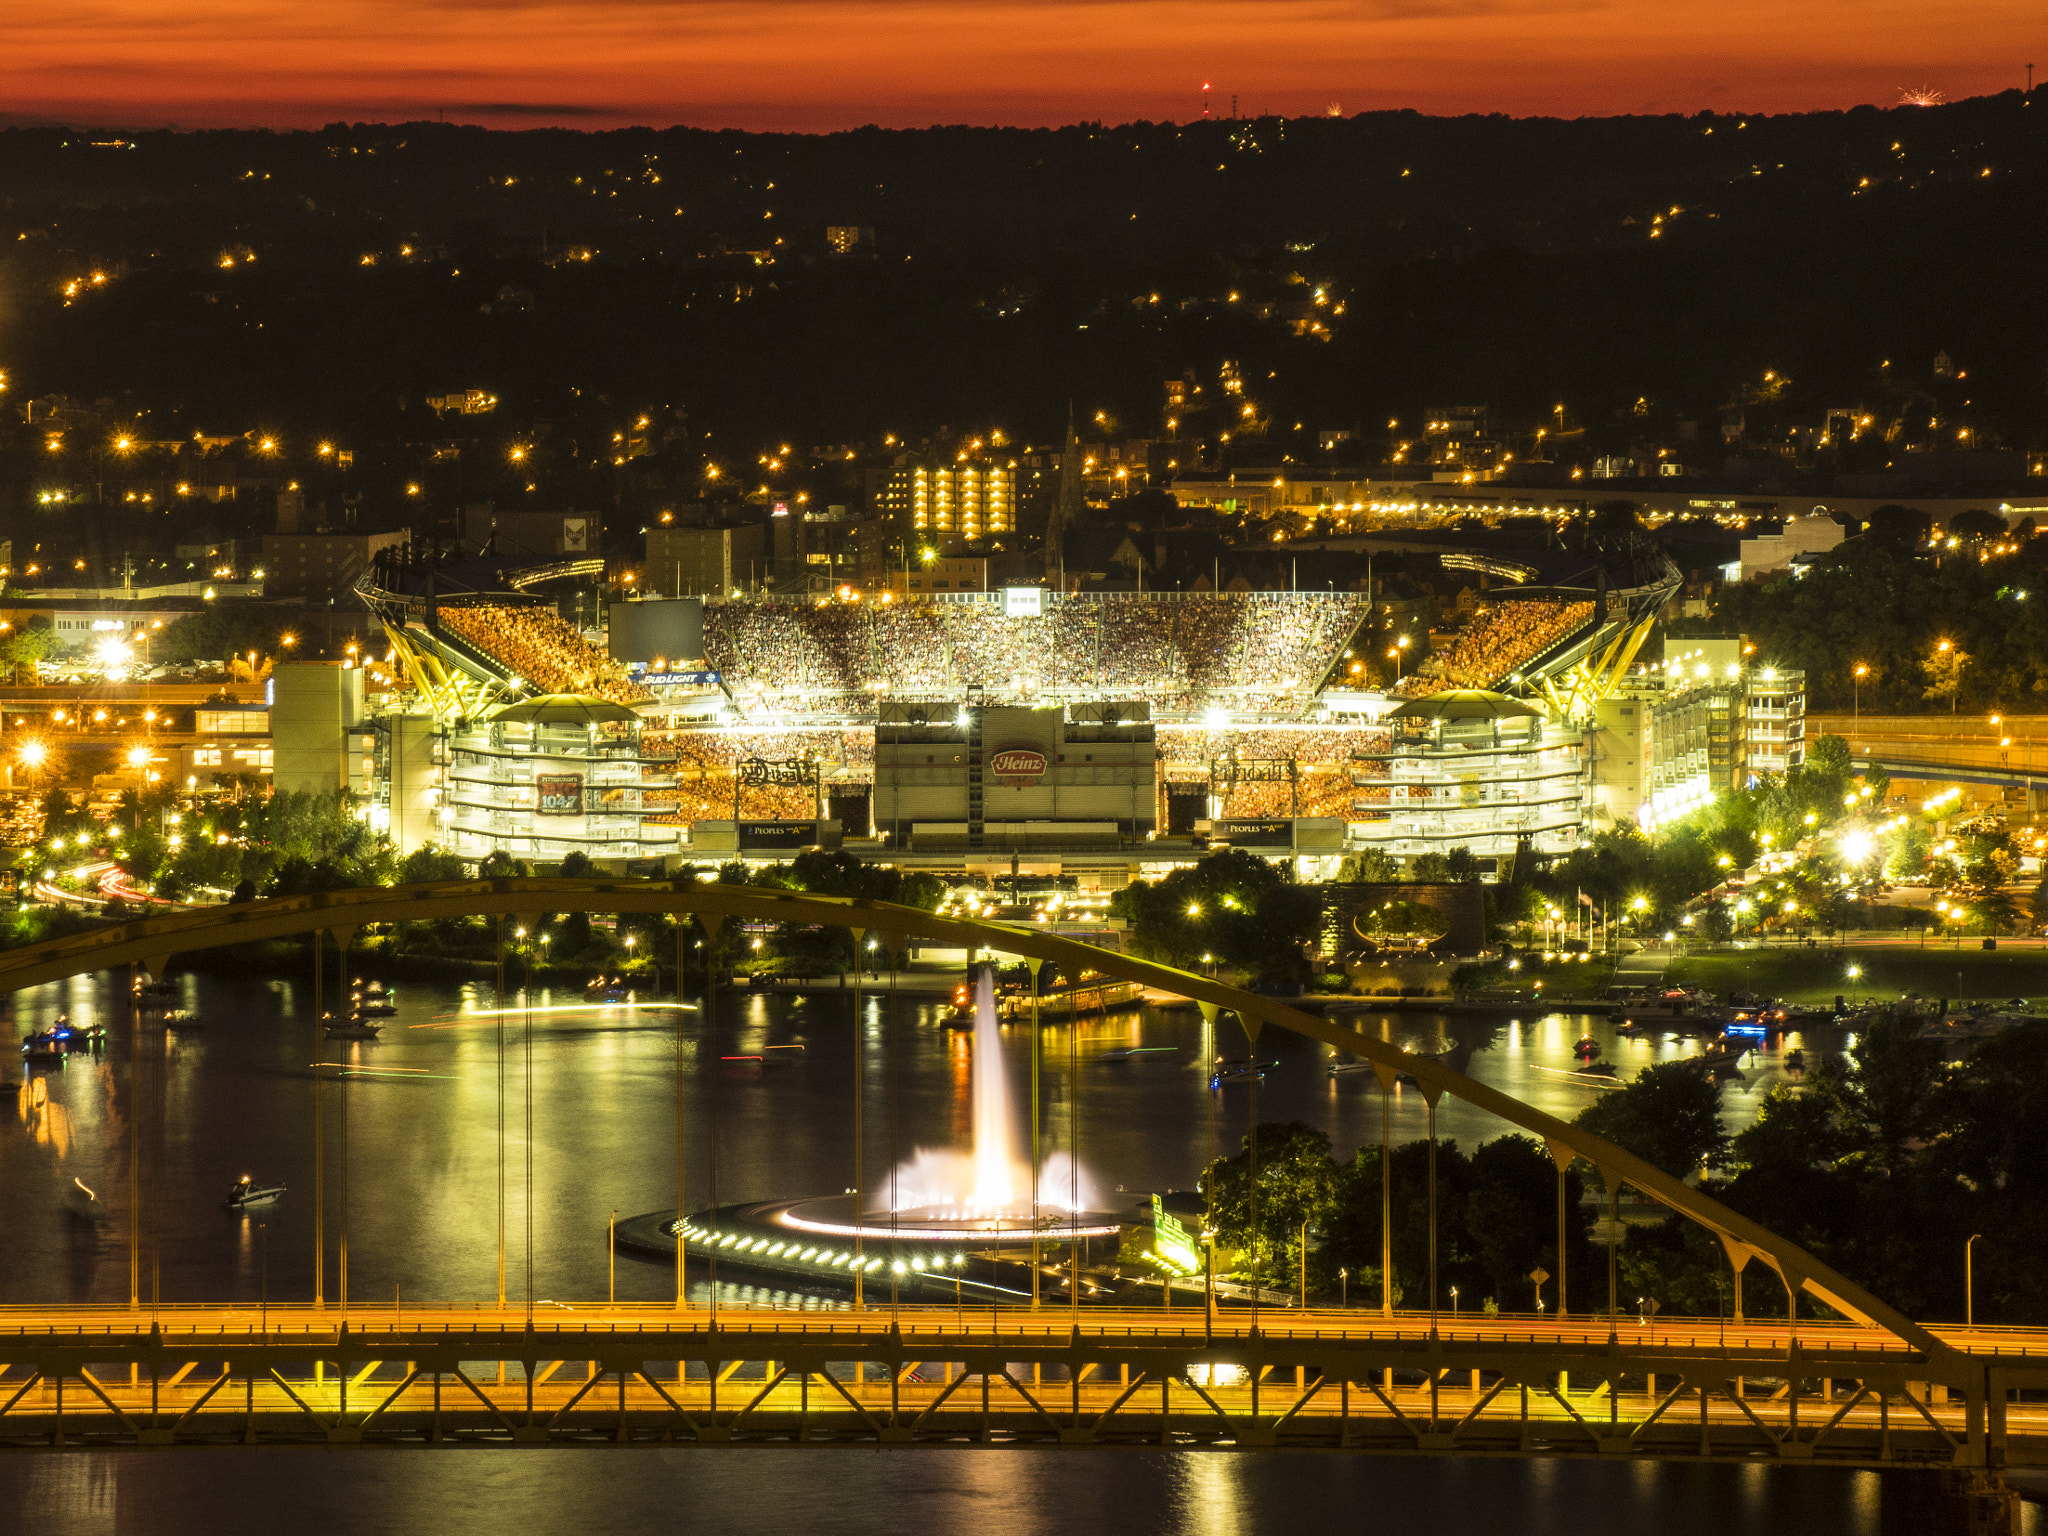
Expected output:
{"points": [[838, 657], [540, 646], [1499, 643]]}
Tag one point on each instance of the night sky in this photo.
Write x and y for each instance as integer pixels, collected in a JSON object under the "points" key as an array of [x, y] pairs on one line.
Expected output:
{"points": [[817, 64]]}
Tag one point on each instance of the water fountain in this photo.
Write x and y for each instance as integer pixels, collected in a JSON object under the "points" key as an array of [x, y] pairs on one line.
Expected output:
{"points": [[938, 1211]]}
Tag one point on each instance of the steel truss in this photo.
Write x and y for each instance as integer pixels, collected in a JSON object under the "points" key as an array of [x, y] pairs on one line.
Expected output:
{"points": [[919, 1376]]}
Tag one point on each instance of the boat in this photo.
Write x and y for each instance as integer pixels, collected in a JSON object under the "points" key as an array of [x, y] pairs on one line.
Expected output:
{"points": [[183, 1019], [247, 1192], [768, 1056], [1587, 1048], [352, 1029], [54, 1043], [606, 989], [1237, 1070], [1596, 1069], [961, 1014], [372, 988], [367, 1007], [1722, 1053], [1132, 1052]]}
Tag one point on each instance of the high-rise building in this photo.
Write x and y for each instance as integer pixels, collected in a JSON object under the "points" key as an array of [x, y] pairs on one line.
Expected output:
{"points": [[968, 499], [690, 562]]}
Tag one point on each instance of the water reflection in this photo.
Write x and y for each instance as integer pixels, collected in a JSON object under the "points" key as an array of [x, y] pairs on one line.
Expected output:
{"points": [[425, 1103], [952, 1492]]}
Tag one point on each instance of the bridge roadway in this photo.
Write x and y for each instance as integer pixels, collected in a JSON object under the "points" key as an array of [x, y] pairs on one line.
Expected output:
{"points": [[1320, 1379]]}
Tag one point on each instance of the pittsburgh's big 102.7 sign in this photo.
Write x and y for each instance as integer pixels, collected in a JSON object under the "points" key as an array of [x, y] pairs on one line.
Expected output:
{"points": [[1017, 766]]}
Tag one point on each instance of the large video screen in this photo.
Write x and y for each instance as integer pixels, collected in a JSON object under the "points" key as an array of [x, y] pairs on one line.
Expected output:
{"points": [[664, 629]]}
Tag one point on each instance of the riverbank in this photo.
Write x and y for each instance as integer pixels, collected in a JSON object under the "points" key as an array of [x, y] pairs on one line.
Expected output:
{"points": [[1868, 972]]}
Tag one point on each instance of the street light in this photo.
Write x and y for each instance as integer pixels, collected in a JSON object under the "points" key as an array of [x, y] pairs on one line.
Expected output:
{"points": [[1969, 1284], [1856, 692]]}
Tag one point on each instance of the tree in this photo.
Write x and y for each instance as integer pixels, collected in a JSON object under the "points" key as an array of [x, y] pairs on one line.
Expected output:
{"points": [[1893, 1084], [27, 644], [1976, 525], [1262, 1218], [1511, 1215], [1670, 1116], [1232, 905], [217, 633], [1373, 866], [1943, 668], [1462, 864], [1431, 866], [1896, 525], [429, 863]]}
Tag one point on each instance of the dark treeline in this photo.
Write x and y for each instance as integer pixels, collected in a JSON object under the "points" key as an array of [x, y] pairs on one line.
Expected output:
{"points": [[1638, 269]]}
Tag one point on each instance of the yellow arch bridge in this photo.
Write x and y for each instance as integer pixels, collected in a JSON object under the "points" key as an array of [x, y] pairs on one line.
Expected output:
{"points": [[1878, 1389]]}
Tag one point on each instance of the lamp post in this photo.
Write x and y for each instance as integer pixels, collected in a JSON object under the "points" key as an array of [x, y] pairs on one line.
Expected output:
{"points": [[1969, 1284], [1856, 693], [1304, 1248], [1454, 1304]]}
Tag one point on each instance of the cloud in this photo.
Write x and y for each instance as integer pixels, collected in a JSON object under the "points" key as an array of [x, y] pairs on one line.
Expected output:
{"points": [[532, 109]]}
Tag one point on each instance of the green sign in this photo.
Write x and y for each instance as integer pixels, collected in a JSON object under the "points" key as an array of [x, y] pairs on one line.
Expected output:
{"points": [[1172, 1247]]}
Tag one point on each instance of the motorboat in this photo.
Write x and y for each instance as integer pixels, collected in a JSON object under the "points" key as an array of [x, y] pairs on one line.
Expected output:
{"points": [[961, 1014], [182, 1019], [366, 1006], [52, 1044], [1133, 1052], [247, 1192], [1587, 1048], [1722, 1053], [1237, 1070], [352, 1029], [371, 988]]}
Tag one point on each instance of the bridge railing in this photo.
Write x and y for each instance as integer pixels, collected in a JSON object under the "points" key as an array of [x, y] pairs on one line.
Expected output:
{"points": [[253, 1322]]}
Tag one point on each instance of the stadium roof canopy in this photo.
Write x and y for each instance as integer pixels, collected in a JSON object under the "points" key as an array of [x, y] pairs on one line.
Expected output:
{"points": [[563, 709], [1463, 704]]}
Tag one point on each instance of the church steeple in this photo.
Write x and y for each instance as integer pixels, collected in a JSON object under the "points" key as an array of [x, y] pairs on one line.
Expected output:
{"points": [[1066, 511]]}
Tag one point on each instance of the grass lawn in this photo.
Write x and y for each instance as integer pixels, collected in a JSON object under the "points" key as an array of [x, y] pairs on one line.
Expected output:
{"points": [[1888, 971]]}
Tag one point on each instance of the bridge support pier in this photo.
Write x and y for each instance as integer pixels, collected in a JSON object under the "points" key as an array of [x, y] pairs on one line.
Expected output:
{"points": [[1979, 1503]]}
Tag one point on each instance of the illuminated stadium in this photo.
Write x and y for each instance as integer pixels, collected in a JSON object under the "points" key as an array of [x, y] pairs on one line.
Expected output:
{"points": [[1227, 715]]}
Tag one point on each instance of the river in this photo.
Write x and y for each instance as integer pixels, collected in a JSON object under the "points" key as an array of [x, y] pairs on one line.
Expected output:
{"points": [[588, 1100]]}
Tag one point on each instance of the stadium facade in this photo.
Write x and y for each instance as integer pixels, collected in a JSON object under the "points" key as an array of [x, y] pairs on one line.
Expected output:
{"points": [[1104, 736]]}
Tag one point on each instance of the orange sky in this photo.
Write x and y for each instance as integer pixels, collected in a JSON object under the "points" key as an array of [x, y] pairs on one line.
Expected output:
{"points": [[816, 64]]}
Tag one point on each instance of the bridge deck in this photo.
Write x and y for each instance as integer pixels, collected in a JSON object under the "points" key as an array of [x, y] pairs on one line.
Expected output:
{"points": [[1319, 1379]]}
